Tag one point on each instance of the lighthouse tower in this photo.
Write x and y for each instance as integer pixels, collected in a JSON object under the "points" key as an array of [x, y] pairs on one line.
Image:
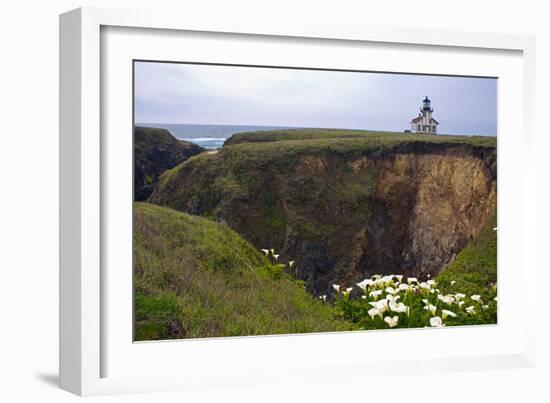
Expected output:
{"points": [[424, 122]]}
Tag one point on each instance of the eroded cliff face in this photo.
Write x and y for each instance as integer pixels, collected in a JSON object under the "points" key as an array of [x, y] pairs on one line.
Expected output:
{"points": [[345, 216], [426, 208]]}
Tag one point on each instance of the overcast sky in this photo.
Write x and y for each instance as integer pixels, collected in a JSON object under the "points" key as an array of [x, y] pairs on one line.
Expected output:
{"points": [[203, 94]]}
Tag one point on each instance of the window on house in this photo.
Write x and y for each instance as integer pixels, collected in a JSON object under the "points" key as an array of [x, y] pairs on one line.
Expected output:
{"points": [[419, 128]]}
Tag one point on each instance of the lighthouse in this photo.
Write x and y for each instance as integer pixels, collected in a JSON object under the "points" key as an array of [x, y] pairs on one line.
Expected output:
{"points": [[424, 122]]}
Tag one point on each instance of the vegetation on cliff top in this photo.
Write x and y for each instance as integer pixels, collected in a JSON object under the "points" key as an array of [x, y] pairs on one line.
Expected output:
{"points": [[197, 278], [373, 137], [155, 151]]}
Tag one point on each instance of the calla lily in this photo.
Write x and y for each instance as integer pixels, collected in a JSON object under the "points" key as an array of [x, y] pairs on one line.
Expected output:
{"points": [[266, 251], [399, 277], [347, 291], [496, 299], [436, 322], [459, 296], [445, 313], [336, 287], [448, 299], [460, 303], [392, 322], [431, 308], [364, 284], [375, 294], [291, 263], [392, 298], [374, 312], [403, 287], [424, 285], [272, 251], [431, 283], [453, 282], [412, 280], [323, 297], [471, 310], [391, 290], [381, 305], [276, 257], [398, 307], [476, 298]]}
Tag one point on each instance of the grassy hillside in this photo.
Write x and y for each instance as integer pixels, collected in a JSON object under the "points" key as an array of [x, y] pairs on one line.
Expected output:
{"points": [[197, 278], [155, 151], [375, 137], [475, 267]]}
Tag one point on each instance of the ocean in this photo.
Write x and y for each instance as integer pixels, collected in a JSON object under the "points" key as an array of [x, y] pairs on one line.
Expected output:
{"points": [[207, 136]]}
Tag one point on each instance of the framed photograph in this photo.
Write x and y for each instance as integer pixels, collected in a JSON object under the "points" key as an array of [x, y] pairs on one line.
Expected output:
{"points": [[236, 200]]}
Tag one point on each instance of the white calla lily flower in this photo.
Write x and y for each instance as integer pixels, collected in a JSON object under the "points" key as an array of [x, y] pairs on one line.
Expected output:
{"points": [[347, 291], [448, 299], [375, 294], [336, 287], [381, 305], [364, 284], [436, 322], [398, 307], [403, 287], [445, 313], [392, 298], [412, 280], [431, 308], [476, 298], [471, 310], [393, 321], [374, 312]]}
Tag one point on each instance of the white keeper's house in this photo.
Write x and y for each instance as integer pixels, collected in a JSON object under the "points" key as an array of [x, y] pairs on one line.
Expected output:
{"points": [[424, 122]]}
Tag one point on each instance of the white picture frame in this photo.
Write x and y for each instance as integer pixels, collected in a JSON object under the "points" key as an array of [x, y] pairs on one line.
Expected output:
{"points": [[85, 307]]}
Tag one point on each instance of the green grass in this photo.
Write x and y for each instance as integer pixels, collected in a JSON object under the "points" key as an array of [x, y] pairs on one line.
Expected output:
{"points": [[197, 278], [379, 137], [475, 267]]}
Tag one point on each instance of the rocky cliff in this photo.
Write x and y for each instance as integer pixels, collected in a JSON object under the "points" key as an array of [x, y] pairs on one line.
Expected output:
{"points": [[155, 151], [344, 204]]}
